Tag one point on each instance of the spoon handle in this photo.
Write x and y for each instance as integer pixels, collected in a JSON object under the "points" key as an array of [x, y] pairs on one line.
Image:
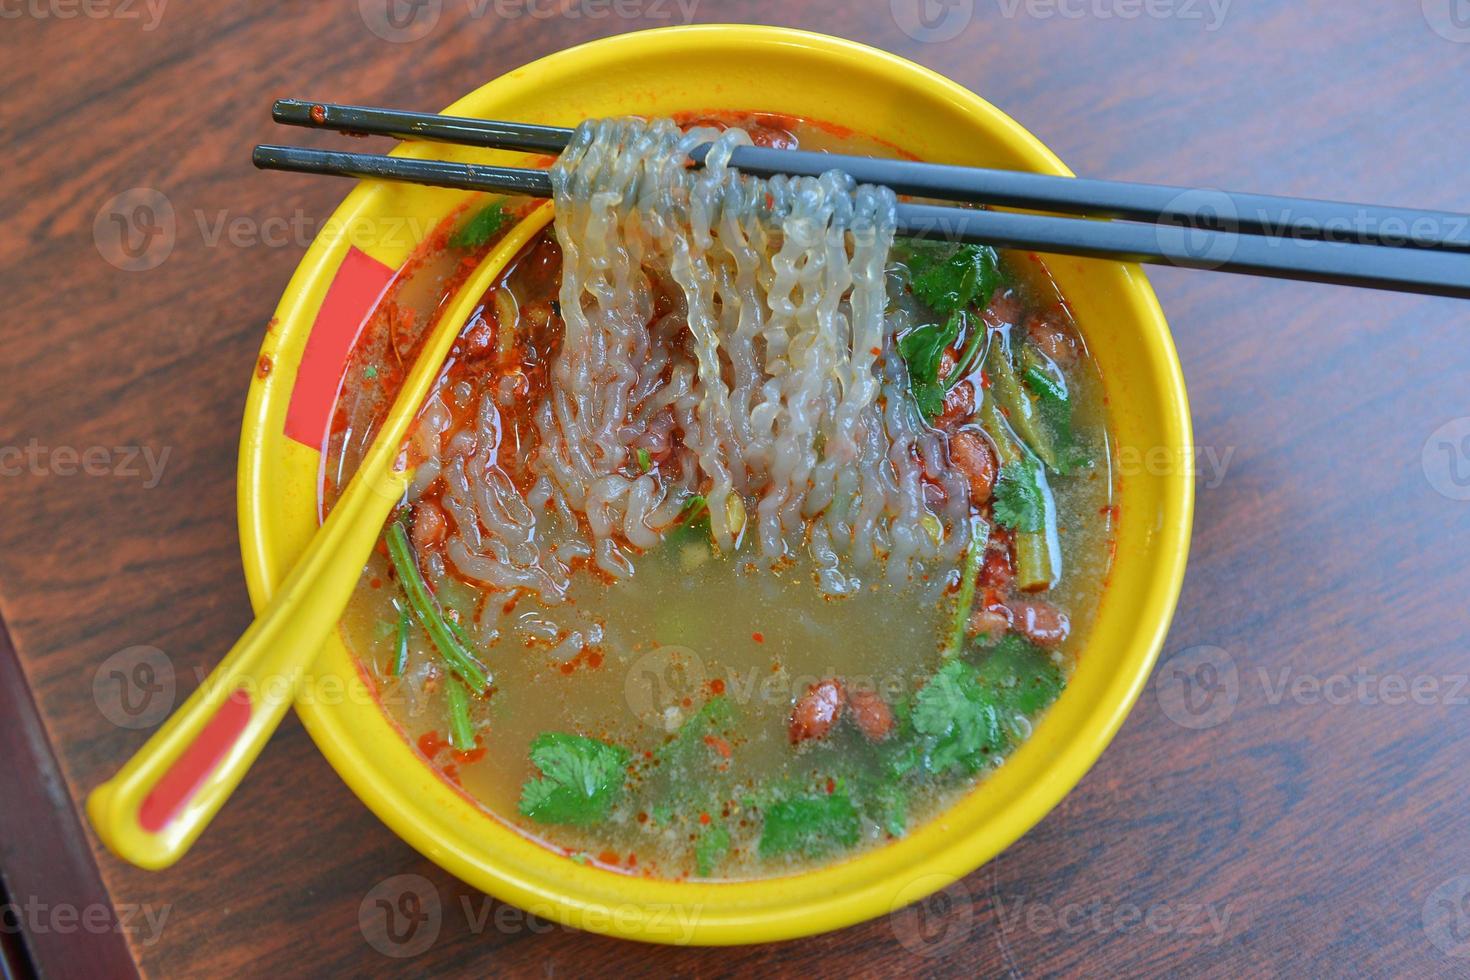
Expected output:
{"points": [[166, 794], [160, 801]]}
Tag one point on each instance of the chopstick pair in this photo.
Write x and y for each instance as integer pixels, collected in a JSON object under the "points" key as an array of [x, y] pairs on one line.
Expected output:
{"points": [[1373, 246]]}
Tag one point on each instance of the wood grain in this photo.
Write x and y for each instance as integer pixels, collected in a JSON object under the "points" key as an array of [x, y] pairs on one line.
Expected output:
{"points": [[1303, 833]]}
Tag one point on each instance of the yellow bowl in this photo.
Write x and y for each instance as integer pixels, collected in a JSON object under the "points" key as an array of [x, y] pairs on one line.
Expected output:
{"points": [[661, 72]]}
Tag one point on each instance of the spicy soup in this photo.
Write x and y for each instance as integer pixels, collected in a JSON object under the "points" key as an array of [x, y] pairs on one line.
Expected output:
{"points": [[745, 619]]}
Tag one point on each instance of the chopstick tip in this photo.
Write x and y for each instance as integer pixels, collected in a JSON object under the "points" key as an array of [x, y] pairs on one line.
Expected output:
{"points": [[295, 112]]}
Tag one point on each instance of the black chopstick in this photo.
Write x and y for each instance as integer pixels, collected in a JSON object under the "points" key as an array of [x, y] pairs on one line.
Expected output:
{"points": [[1211, 210], [355, 120], [1428, 271], [434, 173]]}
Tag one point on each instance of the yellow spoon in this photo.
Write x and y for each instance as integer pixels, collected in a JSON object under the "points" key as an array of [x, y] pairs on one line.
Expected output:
{"points": [[166, 794]]}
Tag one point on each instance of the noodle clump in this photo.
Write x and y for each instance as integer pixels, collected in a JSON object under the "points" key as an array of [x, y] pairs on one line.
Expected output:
{"points": [[726, 337]]}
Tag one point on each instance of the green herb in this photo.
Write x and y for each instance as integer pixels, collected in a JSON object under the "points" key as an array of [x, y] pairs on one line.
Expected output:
{"points": [[581, 857], [1020, 411], [877, 777], [580, 779], [400, 658], [645, 462], [427, 611], [714, 717], [711, 849], [1019, 501], [965, 363], [960, 722], [957, 719], [888, 807], [1045, 387], [692, 525], [809, 825], [1056, 413], [461, 729], [481, 228], [683, 780], [370, 372], [922, 349], [965, 715], [900, 754], [949, 277], [695, 507], [903, 710], [1022, 676], [460, 634]]}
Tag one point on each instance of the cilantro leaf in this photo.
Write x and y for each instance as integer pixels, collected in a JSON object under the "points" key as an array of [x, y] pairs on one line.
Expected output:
{"points": [[958, 719], [688, 780], [949, 277], [581, 779], [966, 716], [1022, 676], [1018, 501], [714, 717], [711, 849], [922, 349], [481, 228], [809, 825]]}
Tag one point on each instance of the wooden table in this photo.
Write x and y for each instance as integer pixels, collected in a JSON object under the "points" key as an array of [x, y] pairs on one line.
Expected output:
{"points": [[1310, 818]]}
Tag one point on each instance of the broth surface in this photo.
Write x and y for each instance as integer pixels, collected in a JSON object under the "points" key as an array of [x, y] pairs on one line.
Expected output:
{"points": [[695, 665]]}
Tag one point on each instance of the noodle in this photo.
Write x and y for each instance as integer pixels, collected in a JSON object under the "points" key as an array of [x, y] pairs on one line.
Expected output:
{"points": [[734, 332]]}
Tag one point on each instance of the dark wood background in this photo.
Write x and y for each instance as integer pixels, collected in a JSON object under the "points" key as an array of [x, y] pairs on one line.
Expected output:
{"points": [[1317, 825]]}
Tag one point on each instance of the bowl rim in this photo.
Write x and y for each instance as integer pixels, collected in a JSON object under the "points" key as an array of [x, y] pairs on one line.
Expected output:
{"points": [[837, 894]]}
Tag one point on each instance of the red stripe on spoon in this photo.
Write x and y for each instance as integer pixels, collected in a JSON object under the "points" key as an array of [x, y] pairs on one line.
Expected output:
{"points": [[358, 284], [195, 763]]}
